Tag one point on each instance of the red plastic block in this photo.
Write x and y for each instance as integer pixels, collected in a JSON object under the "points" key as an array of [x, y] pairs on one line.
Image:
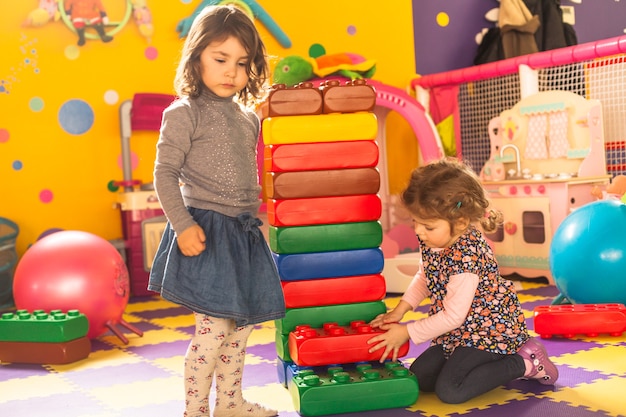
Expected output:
{"points": [[329, 291], [324, 210], [568, 320], [350, 97], [335, 344], [45, 353], [298, 100], [327, 183], [320, 156]]}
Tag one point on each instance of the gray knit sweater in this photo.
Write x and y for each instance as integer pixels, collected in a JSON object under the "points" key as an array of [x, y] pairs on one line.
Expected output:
{"points": [[209, 146]]}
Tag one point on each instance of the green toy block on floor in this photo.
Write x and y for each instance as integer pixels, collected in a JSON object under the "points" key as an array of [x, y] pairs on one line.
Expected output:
{"points": [[325, 237], [349, 389], [342, 314], [39, 326]]}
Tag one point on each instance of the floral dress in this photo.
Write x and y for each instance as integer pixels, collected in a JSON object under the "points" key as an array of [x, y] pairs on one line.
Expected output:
{"points": [[495, 322]]}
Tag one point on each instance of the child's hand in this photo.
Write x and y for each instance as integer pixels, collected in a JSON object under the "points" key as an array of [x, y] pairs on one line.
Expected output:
{"points": [[393, 316], [392, 340], [191, 241]]}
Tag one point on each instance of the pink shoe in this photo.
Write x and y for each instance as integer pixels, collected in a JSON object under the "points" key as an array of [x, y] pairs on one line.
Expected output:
{"points": [[543, 370]]}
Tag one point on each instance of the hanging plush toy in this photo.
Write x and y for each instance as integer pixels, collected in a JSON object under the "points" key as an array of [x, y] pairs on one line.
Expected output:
{"points": [[87, 12], [47, 11], [143, 18], [293, 69]]}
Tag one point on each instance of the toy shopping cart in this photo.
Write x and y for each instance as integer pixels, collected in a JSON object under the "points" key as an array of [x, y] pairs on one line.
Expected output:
{"points": [[142, 217]]}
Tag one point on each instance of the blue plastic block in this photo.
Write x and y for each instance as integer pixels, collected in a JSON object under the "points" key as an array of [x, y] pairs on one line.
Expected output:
{"points": [[292, 267]]}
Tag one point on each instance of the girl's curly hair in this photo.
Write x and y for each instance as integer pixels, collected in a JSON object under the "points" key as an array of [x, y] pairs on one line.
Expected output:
{"points": [[448, 189]]}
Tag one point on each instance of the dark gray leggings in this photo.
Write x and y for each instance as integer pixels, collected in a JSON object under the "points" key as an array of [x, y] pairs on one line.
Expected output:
{"points": [[466, 374]]}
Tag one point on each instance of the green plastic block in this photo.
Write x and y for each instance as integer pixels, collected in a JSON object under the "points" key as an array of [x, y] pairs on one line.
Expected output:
{"points": [[325, 237], [39, 326], [348, 389], [282, 346], [342, 314]]}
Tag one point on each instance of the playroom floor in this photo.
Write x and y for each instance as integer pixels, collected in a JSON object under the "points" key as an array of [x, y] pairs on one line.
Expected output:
{"points": [[144, 378]]}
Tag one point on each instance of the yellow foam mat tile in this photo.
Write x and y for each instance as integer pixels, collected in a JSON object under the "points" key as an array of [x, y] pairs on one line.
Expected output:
{"points": [[35, 386], [606, 359], [596, 396], [156, 303], [429, 404]]}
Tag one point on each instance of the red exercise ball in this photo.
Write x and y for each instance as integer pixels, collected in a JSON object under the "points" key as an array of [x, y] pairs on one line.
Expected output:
{"points": [[70, 270]]}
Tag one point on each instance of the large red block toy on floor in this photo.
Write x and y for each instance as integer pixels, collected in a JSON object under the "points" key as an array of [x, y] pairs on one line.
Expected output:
{"points": [[75, 270], [568, 320]]}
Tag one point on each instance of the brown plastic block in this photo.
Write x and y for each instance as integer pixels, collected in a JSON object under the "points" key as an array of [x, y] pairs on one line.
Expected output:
{"points": [[303, 99], [353, 96], [45, 352], [323, 183]]}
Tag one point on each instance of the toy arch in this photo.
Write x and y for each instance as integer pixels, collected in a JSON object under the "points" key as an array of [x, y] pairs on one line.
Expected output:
{"points": [[116, 26]]}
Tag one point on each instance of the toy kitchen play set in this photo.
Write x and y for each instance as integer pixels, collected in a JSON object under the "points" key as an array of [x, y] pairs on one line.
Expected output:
{"points": [[547, 154], [143, 221]]}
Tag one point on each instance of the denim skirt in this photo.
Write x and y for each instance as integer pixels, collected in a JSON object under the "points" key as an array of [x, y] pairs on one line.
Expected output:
{"points": [[235, 277]]}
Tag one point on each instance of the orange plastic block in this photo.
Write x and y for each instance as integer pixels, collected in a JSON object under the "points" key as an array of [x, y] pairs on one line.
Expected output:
{"points": [[45, 352], [335, 344], [329, 291], [324, 210], [327, 183], [298, 100], [567, 320], [353, 96], [319, 156]]}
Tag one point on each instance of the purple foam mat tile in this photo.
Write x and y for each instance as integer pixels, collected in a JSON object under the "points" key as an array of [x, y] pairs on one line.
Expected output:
{"points": [[97, 344], [190, 330], [531, 305], [144, 326], [160, 350], [162, 313], [416, 350], [557, 346], [532, 407], [530, 386], [571, 377], [265, 351], [143, 298], [544, 291], [20, 370], [258, 375], [62, 405], [111, 375]]}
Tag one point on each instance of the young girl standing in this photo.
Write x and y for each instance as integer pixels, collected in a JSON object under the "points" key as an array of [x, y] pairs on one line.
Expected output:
{"points": [[477, 329], [213, 257]]}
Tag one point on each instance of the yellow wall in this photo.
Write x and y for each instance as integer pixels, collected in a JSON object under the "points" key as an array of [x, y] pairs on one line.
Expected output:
{"points": [[52, 178]]}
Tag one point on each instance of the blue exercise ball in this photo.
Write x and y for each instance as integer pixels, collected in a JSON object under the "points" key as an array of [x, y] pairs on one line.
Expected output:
{"points": [[588, 254]]}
